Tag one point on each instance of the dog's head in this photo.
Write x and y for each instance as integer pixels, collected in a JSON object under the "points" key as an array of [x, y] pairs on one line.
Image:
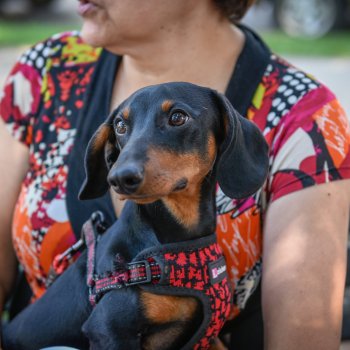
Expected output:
{"points": [[167, 138]]}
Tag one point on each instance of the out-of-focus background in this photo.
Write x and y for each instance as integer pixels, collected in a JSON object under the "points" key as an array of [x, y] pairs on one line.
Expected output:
{"points": [[313, 34]]}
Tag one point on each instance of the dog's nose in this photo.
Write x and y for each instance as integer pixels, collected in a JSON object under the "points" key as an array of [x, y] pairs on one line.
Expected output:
{"points": [[126, 179]]}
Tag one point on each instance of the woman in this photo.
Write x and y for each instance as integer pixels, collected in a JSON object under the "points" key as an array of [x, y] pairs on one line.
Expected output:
{"points": [[62, 89]]}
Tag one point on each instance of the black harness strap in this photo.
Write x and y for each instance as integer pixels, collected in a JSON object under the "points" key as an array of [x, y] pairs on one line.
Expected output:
{"points": [[94, 226], [136, 272]]}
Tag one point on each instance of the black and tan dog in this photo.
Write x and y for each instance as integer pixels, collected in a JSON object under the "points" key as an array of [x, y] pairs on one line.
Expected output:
{"points": [[164, 149]]}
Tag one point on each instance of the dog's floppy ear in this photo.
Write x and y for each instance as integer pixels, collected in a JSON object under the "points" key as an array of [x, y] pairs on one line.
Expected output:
{"points": [[243, 155], [100, 147]]}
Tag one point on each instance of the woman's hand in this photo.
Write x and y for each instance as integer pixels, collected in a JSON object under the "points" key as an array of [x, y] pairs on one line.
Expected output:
{"points": [[305, 239]]}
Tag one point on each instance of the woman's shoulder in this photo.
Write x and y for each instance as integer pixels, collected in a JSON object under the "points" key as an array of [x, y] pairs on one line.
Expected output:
{"points": [[287, 94], [65, 49], [307, 129], [41, 72]]}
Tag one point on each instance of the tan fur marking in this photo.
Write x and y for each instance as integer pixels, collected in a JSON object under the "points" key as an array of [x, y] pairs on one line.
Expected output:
{"points": [[185, 204], [165, 308], [163, 171], [217, 345], [211, 147], [165, 337], [185, 207], [101, 137], [167, 169], [126, 113], [158, 340], [250, 3], [166, 105]]}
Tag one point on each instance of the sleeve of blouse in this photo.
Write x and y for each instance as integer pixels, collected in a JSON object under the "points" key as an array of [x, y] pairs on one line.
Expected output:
{"points": [[20, 97], [311, 145]]}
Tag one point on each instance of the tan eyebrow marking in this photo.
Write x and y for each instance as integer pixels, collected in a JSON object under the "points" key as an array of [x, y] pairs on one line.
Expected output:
{"points": [[166, 105], [126, 112]]}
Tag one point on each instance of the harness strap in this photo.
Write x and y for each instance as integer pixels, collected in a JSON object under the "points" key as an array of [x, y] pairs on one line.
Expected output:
{"points": [[193, 268], [138, 272], [128, 274], [94, 226], [62, 261]]}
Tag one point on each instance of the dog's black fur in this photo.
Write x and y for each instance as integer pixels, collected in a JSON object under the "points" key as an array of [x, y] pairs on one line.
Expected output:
{"points": [[164, 148]]}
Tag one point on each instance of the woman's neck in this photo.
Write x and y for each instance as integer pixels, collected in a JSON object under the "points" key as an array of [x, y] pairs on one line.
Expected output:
{"points": [[206, 57]]}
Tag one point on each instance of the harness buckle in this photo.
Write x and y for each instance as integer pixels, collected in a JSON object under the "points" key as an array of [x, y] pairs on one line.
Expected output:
{"points": [[99, 221], [139, 279]]}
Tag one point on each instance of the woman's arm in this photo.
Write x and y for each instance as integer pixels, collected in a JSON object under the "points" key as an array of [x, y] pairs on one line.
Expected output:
{"points": [[304, 269], [14, 159]]}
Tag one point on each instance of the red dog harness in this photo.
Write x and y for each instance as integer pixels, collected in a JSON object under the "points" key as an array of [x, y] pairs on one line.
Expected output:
{"points": [[193, 268]]}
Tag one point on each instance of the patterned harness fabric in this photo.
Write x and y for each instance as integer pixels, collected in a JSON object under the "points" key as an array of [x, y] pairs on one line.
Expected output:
{"points": [[194, 268]]}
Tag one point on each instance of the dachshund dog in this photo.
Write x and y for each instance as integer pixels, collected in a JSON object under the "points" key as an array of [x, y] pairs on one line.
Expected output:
{"points": [[156, 279]]}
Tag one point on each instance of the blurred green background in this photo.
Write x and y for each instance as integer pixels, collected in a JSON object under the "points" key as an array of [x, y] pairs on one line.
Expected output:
{"points": [[24, 22], [335, 43]]}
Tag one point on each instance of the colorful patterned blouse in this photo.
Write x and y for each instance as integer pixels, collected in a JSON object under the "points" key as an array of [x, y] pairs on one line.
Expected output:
{"points": [[53, 101]]}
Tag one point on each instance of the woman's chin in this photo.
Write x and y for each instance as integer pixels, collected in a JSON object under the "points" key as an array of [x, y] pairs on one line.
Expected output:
{"points": [[93, 35]]}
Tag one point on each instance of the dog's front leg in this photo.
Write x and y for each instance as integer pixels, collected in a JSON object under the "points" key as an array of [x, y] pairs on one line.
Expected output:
{"points": [[56, 318], [116, 322]]}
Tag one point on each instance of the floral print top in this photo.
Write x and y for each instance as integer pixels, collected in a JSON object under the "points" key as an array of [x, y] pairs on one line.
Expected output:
{"points": [[302, 121]]}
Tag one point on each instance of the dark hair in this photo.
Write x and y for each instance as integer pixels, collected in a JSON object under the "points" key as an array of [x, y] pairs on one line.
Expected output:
{"points": [[234, 9]]}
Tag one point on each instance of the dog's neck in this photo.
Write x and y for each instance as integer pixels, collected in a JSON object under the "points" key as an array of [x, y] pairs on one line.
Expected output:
{"points": [[184, 215]]}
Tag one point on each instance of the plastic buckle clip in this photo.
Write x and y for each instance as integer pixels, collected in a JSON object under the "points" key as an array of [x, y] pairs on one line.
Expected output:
{"points": [[140, 280]]}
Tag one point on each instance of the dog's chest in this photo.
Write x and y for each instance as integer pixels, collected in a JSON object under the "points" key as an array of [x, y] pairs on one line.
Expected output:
{"points": [[122, 242]]}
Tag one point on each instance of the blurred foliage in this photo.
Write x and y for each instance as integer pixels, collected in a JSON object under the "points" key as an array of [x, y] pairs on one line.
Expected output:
{"points": [[13, 33], [333, 44]]}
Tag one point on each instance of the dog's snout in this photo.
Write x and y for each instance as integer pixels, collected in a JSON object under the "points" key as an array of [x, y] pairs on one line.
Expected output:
{"points": [[127, 179]]}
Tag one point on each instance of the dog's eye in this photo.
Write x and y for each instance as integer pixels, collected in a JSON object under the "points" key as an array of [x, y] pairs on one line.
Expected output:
{"points": [[178, 119], [120, 127]]}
